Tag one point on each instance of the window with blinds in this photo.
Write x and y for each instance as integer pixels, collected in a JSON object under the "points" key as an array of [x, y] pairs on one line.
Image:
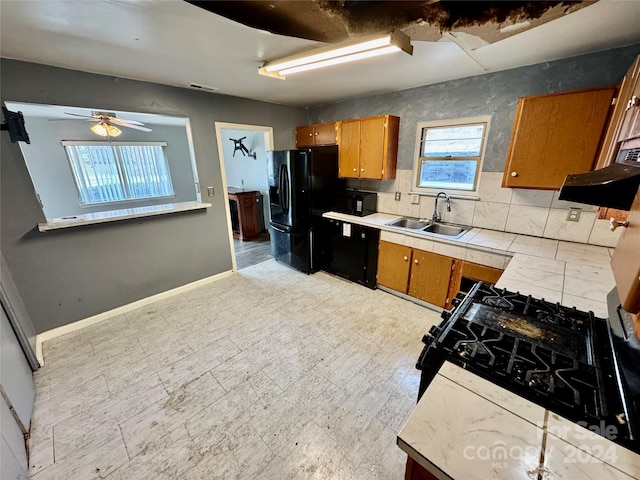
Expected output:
{"points": [[117, 172]]}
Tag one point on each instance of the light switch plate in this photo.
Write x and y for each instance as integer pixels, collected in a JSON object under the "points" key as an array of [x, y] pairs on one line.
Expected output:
{"points": [[397, 197], [210, 191], [574, 215]]}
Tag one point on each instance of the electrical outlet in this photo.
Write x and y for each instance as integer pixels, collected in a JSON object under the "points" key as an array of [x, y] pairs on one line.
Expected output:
{"points": [[397, 196], [415, 199], [210, 191], [574, 215]]}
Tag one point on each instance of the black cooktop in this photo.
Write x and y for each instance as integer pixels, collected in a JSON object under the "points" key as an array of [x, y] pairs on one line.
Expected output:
{"points": [[558, 357]]}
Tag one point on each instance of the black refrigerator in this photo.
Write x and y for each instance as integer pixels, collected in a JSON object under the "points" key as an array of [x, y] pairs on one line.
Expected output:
{"points": [[302, 185]]}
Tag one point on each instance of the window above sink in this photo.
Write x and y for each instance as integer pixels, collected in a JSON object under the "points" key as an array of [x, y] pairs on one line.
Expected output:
{"points": [[449, 155]]}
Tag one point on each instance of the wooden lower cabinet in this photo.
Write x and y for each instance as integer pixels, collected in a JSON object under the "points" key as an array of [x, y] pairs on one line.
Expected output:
{"points": [[428, 276], [415, 471], [244, 213], [466, 274], [394, 263], [423, 275]]}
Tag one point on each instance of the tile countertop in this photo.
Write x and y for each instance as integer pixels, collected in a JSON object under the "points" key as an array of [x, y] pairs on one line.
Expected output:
{"points": [[466, 427], [573, 274]]}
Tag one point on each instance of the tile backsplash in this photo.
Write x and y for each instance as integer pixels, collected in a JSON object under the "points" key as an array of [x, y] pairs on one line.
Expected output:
{"points": [[529, 212]]}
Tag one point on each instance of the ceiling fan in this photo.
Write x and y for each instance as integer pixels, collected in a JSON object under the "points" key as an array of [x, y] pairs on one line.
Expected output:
{"points": [[107, 124]]}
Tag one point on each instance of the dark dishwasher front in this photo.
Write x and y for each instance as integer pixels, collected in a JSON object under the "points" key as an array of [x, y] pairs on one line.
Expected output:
{"points": [[354, 252]]}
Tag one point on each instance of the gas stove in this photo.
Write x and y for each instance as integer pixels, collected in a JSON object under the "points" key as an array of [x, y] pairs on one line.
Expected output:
{"points": [[561, 358]]}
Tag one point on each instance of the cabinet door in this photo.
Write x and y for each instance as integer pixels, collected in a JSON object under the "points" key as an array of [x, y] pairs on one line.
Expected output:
{"points": [[430, 276], [372, 152], [394, 262], [611, 140], [304, 136], [631, 120], [325, 134], [349, 149], [475, 271], [555, 135], [625, 262]]}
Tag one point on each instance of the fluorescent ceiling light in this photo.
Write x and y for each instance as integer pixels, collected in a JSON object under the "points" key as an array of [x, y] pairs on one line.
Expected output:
{"points": [[364, 47]]}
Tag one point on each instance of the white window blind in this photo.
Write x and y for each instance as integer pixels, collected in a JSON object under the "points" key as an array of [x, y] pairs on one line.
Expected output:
{"points": [[450, 154], [116, 172]]}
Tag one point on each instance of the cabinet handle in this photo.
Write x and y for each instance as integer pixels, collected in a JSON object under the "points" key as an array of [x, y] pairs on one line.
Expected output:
{"points": [[362, 169], [613, 224], [514, 174], [316, 134], [415, 261], [311, 134], [632, 103], [405, 258], [355, 169]]}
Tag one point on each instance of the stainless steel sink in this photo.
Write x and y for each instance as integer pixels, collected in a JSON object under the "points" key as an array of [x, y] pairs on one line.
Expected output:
{"points": [[451, 231], [410, 223], [428, 227]]}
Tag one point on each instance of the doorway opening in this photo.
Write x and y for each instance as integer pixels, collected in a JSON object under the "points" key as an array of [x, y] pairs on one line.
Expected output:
{"points": [[243, 161]]}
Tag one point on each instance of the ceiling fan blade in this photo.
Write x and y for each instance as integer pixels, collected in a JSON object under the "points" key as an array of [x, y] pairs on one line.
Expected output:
{"points": [[78, 115], [87, 119], [124, 122], [136, 127]]}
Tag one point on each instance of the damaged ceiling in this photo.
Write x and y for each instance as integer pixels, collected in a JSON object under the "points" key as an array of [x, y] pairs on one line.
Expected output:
{"points": [[174, 42], [337, 21]]}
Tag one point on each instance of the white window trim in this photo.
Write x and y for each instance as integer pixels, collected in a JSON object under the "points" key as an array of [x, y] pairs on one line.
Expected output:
{"points": [[470, 194]]}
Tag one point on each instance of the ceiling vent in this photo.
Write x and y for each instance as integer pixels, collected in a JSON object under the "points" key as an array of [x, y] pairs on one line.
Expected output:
{"points": [[205, 88]]}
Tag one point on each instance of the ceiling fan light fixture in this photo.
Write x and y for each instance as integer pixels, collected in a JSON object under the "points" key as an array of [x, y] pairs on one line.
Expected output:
{"points": [[105, 130], [352, 50]]}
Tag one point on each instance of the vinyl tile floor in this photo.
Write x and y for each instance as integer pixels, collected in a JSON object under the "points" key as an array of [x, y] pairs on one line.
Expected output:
{"points": [[267, 373]]}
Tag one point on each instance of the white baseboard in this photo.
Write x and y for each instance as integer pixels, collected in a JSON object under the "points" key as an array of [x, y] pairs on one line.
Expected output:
{"points": [[85, 322]]}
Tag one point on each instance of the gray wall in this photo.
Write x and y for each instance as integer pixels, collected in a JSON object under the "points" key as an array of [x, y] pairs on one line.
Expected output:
{"points": [[66, 275], [51, 174], [494, 94]]}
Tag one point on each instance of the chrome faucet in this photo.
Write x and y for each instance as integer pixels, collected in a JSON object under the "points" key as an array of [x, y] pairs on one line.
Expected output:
{"points": [[436, 216]]}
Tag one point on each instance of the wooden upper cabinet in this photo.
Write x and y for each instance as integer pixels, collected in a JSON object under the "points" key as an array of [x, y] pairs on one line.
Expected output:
{"points": [[304, 136], [630, 122], [556, 135], [621, 115], [430, 277], [394, 263], [349, 149], [315, 135], [625, 262], [325, 133], [372, 153], [368, 147]]}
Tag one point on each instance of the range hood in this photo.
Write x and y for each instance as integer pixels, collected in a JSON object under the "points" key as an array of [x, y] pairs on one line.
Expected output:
{"points": [[614, 186]]}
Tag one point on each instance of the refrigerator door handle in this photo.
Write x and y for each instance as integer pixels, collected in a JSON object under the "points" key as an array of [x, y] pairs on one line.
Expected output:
{"points": [[287, 231], [281, 187], [281, 230], [285, 184]]}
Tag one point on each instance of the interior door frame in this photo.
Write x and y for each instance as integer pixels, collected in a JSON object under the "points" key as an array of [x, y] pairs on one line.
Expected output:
{"points": [[268, 145]]}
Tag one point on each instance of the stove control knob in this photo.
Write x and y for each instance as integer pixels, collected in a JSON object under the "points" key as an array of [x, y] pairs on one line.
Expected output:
{"points": [[456, 301], [446, 314], [434, 331]]}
